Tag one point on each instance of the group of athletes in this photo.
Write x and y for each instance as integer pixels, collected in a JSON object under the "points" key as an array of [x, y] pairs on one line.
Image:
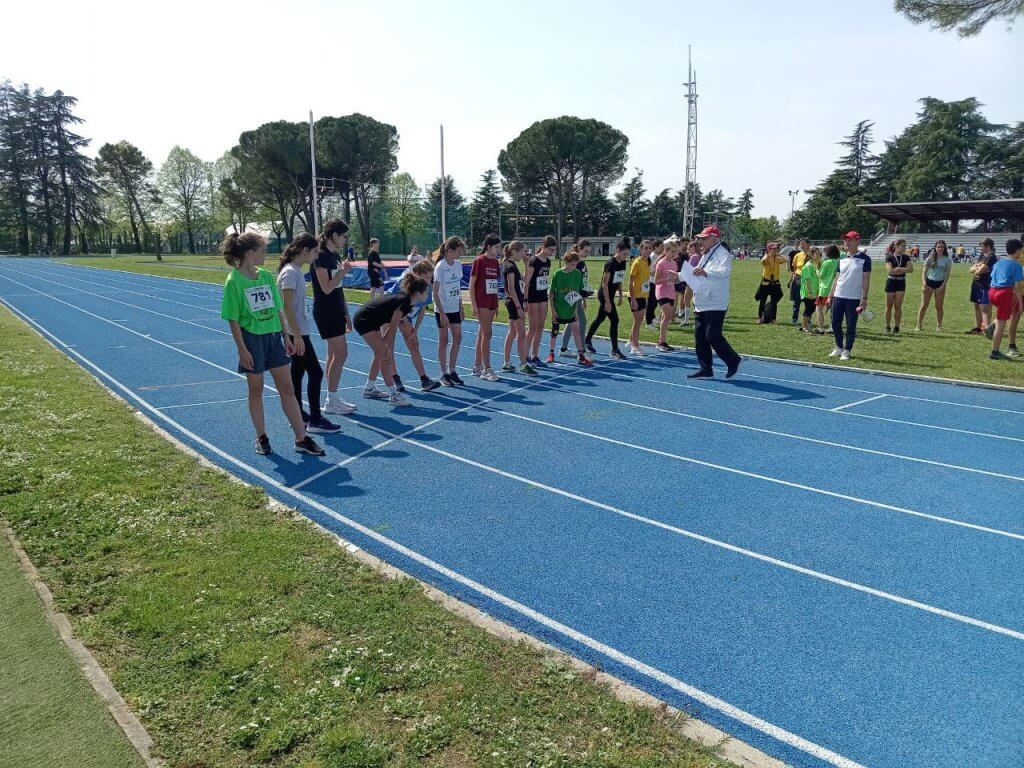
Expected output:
{"points": [[271, 327]]}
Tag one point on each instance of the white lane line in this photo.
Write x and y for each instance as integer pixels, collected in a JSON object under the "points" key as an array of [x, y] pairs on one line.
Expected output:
{"points": [[185, 383], [859, 402], [272, 393], [713, 702]]}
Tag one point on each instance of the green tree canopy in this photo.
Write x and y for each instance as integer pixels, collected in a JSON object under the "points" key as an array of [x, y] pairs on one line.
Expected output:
{"points": [[967, 17]]}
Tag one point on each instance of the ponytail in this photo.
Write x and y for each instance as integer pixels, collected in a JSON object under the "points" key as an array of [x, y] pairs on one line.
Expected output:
{"points": [[453, 243], [332, 228], [235, 246], [301, 243], [412, 284], [513, 248]]}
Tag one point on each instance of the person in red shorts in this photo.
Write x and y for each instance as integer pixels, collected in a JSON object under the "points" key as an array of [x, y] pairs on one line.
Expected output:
{"points": [[484, 279], [1005, 293]]}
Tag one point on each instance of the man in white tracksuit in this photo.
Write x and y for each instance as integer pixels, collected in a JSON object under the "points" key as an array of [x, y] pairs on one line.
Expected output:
{"points": [[710, 283]]}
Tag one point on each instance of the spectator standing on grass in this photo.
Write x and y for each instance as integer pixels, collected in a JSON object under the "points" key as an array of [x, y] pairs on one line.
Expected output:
{"points": [[809, 288], [375, 268], [253, 307], [796, 264], [1006, 294], [711, 302], [982, 271], [898, 265], [849, 295], [769, 292], [934, 276]]}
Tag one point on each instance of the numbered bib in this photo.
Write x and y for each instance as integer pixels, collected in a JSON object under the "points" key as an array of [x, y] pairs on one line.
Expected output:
{"points": [[647, 287], [572, 297], [618, 276], [260, 298], [492, 287], [542, 282], [453, 292]]}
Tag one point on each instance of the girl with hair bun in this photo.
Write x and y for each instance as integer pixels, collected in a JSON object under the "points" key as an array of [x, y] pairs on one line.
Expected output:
{"points": [[255, 312]]}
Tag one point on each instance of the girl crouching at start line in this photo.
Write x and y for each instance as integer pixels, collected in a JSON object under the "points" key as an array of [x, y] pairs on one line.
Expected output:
{"points": [[378, 321], [253, 308]]}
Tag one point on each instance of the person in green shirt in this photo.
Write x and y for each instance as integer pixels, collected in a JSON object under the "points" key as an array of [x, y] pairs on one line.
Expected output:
{"points": [[254, 310], [564, 292], [826, 276], [809, 287]]}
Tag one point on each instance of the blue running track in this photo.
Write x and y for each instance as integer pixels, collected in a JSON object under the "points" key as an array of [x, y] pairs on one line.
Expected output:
{"points": [[826, 564]]}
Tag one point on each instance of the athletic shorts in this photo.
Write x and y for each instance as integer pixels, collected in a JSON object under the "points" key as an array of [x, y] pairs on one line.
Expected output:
{"points": [[267, 350], [330, 324], [808, 307], [455, 318], [361, 326], [513, 313], [641, 304], [895, 285], [488, 301], [1002, 300], [376, 281], [561, 321], [979, 294], [666, 302], [680, 287], [933, 284]]}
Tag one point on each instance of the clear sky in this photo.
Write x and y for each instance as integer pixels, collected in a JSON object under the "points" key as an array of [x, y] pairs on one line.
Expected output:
{"points": [[779, 83]]}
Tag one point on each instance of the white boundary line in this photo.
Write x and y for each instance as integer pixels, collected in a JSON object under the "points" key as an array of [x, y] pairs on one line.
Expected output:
{"points": [[652, 673], [859, 402]]}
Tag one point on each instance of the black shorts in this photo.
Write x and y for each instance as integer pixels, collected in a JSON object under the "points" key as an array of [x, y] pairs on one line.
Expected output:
{"points": [[895, 285], [809, 307], [979, 294], [934, 284], [267, 350], [666, 302], [361, 326], [641, 304], [455, 318], [330, 324], [561, 321], [680, 287], [537, 297], [376, 281], [513, 313]]}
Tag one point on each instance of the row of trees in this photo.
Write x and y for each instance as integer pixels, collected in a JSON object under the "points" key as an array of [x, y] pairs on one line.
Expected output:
{"points": [[951, 152]]}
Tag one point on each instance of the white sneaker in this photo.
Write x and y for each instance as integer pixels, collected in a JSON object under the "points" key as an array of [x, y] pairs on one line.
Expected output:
{"points": [[636, 351], [398, 400], [477, 371], [845, 356], [375, 393], [567, 353], [338, 406], [489, 375], [836, 352]]}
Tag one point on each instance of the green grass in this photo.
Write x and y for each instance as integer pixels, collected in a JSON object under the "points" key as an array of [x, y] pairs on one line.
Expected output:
{"points": [[949, 354], [50, 717], [243, 637]]}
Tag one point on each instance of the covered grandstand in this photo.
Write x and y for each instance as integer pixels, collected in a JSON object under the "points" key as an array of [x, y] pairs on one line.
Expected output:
{"points": [[993, 216]]}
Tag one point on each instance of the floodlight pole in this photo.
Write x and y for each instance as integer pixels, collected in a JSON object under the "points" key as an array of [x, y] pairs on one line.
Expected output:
{"points": [[312, 165], [444, 228]]}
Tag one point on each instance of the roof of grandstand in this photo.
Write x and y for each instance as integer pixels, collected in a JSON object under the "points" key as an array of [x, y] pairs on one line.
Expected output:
{"points": [[946, 210]]}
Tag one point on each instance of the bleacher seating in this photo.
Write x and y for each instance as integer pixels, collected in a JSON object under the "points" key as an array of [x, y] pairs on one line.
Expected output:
{"points": [[926, 240]]}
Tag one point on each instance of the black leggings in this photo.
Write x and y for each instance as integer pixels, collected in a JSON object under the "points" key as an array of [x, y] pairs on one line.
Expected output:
{"points": [[307, 364], [613, 316]]}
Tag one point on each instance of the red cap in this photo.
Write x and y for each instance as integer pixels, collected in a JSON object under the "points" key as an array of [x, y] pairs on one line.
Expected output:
{"points": [[851, 235], [711, 231]]}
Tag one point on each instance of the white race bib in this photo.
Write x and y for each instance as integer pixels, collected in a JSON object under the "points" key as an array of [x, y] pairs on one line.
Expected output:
{"points": [[618, 276], [492, 287], [260, 298], [453, 292], [647, 287], [542, 282], [572, 297]]}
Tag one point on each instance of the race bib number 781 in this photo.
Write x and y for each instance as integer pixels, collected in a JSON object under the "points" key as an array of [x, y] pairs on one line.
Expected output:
{"points": [[260, 299]]}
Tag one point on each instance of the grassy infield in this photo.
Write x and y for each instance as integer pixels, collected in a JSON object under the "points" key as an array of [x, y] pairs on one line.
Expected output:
{"points": [[243, 638]]}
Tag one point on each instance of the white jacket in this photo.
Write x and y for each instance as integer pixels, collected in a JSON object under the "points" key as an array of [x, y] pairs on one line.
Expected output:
{"points": [[712, 292]]}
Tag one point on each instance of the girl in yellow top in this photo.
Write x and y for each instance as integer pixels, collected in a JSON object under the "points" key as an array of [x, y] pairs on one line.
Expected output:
{"points": [[639, 287], [769, 292]]}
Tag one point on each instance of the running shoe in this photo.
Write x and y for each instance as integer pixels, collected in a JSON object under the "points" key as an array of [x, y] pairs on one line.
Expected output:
{"points": [[567, 353], [339, 407], [1012, 352], [990, 331], [398, 400], [938, 329], [845, 356], [446, 379], [508, 368], [699, 374], [551, 358], [584, 361], [836, 352], [263, 445], [309, 446], [590, 348], [398, 383], [973, 332], [489, 375], [305, 416], [374, 393], [455, 378], [997, 355], [895, 330], [917, 329], [428, 384], [477, 371], [527, 370], [320, 425], [665, 348], [636, 352], [888, 330], [616, 355], [730, 372]]}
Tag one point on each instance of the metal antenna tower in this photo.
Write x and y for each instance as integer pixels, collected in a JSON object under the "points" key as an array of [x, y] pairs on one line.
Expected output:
{"points": [[691, 147]]}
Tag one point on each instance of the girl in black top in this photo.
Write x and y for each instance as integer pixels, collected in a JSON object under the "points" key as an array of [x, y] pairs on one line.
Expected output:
{"points": [[898, 265], [515, 304], [330, 310], [537, 272], [378, 321], [611, 282]]}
